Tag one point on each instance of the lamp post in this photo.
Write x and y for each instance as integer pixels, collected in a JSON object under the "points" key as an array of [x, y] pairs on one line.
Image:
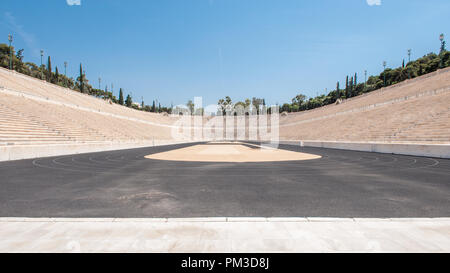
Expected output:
{"points": [[10, 39], [384, 72], [42, 73]]}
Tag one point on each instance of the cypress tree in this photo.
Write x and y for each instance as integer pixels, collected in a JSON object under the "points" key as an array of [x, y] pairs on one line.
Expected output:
{"points": [[355, 81], [49, 69], [338, 92], [81, 79], [154, 107], [346, 87], [56, 75], [442, 44], [120, 96], [350, 88], [442, 51], [128, 101]]}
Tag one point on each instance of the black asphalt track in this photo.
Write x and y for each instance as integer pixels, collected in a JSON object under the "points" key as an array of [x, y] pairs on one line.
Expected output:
{"points": [[125, 184]]}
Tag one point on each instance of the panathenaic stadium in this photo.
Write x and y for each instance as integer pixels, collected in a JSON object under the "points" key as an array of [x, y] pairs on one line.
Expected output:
{"points": [[344, 177]]}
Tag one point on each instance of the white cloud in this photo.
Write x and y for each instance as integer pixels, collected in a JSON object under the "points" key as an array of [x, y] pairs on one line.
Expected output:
{"points": [[374, 2], [73, 2]]}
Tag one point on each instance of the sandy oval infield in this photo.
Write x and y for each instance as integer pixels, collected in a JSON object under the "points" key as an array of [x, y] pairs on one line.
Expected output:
{"points": [[231, 152]]}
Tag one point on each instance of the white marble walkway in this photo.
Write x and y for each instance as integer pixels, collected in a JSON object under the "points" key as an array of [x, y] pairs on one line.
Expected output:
{"points": [[224, 235]]}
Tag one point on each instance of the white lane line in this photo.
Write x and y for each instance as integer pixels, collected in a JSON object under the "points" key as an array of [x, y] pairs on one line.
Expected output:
{"points": [[435, 164]]}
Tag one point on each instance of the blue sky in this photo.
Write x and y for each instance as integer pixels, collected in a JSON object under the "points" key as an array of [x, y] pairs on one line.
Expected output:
{"points": [[173, 50]]}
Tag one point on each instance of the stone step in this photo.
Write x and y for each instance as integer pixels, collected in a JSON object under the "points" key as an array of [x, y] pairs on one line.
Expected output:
{"points": [[2, 136], [22, 121], [48, 142], [4, 116], [23, 127], [2, 133]]}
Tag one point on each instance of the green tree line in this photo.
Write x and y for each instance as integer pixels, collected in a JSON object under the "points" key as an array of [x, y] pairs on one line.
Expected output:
{"points": [[80, 84], [352, 88], [255, 105]]}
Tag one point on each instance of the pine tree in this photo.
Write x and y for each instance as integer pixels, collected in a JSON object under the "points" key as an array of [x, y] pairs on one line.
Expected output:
{"points": [[49, 69], [81, 79], [120, 96]]}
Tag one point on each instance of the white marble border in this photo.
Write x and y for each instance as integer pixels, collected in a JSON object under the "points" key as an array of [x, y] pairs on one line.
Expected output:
{"points": [[220, 219]]}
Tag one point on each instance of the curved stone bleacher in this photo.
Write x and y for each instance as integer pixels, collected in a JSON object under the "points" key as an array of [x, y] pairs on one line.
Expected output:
{"points": [[416, 111], [33, 112], [34, 87], [72, 124], [17, 128]]}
